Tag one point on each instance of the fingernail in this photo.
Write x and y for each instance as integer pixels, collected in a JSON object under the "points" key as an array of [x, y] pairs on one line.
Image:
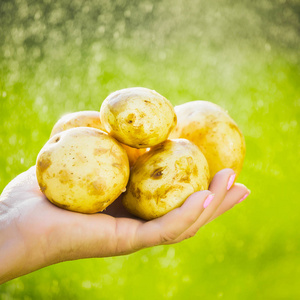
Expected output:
{"points": [[230, 181], [208, 200], [246, 195]]}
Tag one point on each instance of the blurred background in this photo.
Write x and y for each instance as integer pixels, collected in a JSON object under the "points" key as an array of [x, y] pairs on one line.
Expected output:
{"points": [[64, 56]]}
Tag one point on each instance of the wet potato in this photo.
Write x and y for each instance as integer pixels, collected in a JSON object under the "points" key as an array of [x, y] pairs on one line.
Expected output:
{"points": [[216, 134], [82, 169], [90, 118], [138, 117], [164, 177]]}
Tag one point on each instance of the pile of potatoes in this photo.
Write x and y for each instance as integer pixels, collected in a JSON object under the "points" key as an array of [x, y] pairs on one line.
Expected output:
{"points": [[139, 146]]}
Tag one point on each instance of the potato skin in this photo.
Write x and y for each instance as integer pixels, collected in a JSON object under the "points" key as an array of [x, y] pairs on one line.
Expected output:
{"points": [[138, 117], [164, 177], [90, 118], [82, 169], [216, 134]]}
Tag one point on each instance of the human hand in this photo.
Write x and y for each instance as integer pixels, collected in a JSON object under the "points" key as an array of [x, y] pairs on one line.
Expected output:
{"points": [[34, 233]]}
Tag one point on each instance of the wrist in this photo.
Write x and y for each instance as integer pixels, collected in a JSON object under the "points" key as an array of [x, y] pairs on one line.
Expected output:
{"points": [[12, 250], [24, 246]]}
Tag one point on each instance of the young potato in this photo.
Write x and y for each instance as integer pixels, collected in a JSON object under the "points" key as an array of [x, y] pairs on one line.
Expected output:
{"points": [[164, 177], [90, 118], [82, 169], [133, 153], [87, 118], [209, 127], [138, 117]]}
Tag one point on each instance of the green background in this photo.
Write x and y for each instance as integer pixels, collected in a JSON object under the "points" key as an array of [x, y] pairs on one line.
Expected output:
{"points": [[64, 56]]}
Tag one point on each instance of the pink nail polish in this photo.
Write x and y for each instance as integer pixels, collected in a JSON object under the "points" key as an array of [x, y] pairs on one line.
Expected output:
{"points": [[208, 200], [243, 198], [230, 181]]}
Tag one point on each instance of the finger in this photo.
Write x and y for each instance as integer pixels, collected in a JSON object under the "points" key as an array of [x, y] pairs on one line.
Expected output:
{"points": [[219, 185], [168, 227], [237, 193]]}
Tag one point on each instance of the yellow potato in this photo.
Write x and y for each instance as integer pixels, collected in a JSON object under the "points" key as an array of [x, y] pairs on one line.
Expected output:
{"points": [[164, 177], [209, 127], [138, 117], [82, 169], [90, 118], [87, 118], [133, 153]]}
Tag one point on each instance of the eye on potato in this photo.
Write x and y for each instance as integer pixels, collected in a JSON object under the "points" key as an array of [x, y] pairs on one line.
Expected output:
{"points": [[82, 169], [164, 177], [138, 117], [90, 118], [215, 133]]}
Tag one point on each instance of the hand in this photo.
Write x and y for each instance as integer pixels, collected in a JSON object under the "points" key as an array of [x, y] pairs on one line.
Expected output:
{"points": [[34, 233]]}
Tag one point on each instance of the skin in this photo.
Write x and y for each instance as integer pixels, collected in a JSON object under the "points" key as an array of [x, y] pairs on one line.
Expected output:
{"points": [[34, 233], [164, 177], [215, 133], [138, 117], [82, 169], [90, 118]]}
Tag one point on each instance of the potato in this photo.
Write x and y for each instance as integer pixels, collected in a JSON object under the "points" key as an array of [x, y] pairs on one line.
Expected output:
{"points": [[138, 117], [87, 118], [90, 118], [82, 169], [164, 177], [215, 133], [133, 153]]}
